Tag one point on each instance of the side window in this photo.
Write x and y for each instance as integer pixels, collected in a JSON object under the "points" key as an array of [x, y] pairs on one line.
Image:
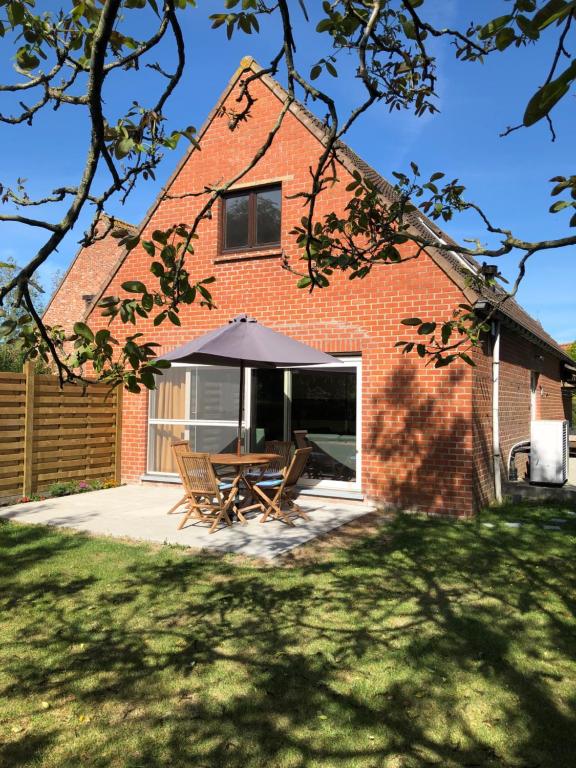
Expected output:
{"points": [[252, 219]]}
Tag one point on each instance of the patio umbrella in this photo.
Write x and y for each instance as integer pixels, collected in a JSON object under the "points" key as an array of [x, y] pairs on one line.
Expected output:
{"points": [[244, 342]]}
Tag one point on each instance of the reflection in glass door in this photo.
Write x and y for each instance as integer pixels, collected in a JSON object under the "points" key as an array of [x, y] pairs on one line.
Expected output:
{"points": [[322, 404]]}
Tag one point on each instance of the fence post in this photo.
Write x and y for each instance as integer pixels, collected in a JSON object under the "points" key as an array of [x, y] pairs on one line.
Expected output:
{"points": [[118, 437], [28, 428]]}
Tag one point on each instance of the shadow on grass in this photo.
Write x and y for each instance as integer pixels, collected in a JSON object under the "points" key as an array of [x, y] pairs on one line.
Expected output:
{"points": [[431, 642]]}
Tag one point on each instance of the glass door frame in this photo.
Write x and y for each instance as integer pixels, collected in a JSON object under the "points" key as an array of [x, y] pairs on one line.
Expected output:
{"points": [[352, 361], [318, 485]]}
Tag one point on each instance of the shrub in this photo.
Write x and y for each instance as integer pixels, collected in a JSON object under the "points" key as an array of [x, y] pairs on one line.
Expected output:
{"points": [[63, 488]]}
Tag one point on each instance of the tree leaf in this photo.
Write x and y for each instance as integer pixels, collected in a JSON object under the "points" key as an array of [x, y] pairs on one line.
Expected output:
{"points": [[81, 329], [550, 94], [134, 286], [411, 321]]}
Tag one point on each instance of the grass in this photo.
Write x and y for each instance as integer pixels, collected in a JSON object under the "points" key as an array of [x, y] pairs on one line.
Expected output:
{"points": [[427, 642]]}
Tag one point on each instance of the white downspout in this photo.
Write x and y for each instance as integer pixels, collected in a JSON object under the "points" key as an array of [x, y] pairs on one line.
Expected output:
{"points": [[496, 409]]}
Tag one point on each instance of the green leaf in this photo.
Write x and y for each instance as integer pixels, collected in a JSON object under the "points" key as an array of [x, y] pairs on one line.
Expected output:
{"points": [[426, 328], [467, 359], [134, 286], [559, 205], [147, 378], [526, 27], [15, 13], [149, 247], [324, 26], [545, 98], [331, 69], [102, 336], [411, 321], [551, 12], [124, 147], [315, 72], [81, 329], [304, 282], [25, 59], [504, 38], [490, 29], [160, 236]]}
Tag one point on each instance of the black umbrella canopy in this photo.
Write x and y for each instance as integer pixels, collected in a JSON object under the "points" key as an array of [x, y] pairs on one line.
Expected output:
{"points": [[242, 343], [245, 342]]}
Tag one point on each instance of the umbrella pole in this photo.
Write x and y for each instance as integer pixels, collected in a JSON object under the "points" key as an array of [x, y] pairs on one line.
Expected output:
{"points": [[240, 408]]}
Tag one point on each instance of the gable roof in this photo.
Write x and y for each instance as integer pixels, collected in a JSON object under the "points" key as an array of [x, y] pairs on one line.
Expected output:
{"points": [[104, 280], [457, 266]]}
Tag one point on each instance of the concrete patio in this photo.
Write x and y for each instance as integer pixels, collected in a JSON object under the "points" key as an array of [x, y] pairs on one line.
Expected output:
{"points": [[139, 512]]}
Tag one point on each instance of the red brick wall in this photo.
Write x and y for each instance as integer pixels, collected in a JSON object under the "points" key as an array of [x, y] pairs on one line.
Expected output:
{"points": [[85, 277], [483, 476], [417, 433], [518, 358]]}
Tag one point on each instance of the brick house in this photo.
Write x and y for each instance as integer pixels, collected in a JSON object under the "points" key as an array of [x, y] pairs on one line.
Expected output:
{"points": [[393, 429]]}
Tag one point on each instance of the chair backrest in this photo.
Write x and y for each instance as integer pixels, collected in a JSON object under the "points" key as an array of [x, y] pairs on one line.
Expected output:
{"points": [[283, 448], [178, 448], [294, 471], [198, 475], [300, 438]]}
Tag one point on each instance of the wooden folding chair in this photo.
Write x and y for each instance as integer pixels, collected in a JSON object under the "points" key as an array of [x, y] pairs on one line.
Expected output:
{"points": [[205, 495], [178, 448], [282, 448], [300, 438], [278, 491], [276, 468]]}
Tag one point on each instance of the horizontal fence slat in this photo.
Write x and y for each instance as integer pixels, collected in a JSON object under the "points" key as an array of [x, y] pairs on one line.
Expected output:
{"points": [[46, 478], [73, 443], [103, 454], [71, 422], [72, 462], [88, 433], [14, 483], [13, 386]]}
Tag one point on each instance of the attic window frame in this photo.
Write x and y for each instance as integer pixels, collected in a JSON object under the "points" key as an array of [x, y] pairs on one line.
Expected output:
{"points": [[251, 193]]}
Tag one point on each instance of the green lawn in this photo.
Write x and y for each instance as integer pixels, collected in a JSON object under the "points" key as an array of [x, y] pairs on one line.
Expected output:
{"points": [[423, 643]]}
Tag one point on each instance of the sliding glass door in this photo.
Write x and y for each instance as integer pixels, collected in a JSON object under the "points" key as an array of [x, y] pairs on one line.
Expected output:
{"points": [[321, 405]]}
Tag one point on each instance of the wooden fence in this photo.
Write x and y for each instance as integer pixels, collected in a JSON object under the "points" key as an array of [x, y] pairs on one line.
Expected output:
{"points": [[49, 434]]}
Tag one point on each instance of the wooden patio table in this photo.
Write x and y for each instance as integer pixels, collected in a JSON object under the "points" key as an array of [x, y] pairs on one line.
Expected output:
{"points": [[242, 461]]}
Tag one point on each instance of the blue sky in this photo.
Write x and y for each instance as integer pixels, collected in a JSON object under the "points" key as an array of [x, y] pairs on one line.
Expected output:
{"points": [[507, 176]]}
